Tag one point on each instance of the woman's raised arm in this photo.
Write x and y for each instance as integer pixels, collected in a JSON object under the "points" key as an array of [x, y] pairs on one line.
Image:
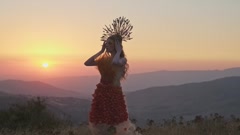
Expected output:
{"points": [[117, 59], [91, 61]]}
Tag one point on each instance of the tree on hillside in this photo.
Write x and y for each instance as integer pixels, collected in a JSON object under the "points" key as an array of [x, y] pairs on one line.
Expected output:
{"points": [[31, 115]]}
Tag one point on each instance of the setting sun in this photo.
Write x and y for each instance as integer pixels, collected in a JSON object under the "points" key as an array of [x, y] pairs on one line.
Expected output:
{"points": [[45, 65]]}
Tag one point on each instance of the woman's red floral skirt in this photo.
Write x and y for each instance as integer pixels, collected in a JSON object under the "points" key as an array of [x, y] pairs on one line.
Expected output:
{"points": [[108, 105]]}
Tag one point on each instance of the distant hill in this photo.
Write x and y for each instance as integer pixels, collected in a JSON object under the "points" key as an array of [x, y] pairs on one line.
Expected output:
{"points": [[64, 103], [74, 109], [8, 99], [157, 103], [34, 88], [87, 84], [3, 94], [188, 100]]}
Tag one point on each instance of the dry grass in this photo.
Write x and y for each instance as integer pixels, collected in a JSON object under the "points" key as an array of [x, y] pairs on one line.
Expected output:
{"points": [[192, 130], [34, 119], [231, 128], [47, 124], [82, 130]]}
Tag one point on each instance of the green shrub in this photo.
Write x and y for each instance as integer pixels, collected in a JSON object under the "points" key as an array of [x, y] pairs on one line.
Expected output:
{"points": [[33, 115]]}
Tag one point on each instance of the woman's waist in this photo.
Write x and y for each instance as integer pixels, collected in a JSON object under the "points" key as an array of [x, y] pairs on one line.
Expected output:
{"points": [[110, 81], [113, 83], [108, 86], [106, 89]]}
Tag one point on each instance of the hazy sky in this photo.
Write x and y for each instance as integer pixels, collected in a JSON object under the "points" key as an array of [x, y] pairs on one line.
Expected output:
{"points": [[167, 35]]}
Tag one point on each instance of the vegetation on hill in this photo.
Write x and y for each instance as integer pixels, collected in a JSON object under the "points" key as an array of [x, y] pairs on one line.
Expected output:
{"points": [[33, 115], [214, 124], [33, 118]]}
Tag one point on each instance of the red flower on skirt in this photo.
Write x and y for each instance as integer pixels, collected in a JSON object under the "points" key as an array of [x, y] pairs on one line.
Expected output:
{"points": [[108, 105]]}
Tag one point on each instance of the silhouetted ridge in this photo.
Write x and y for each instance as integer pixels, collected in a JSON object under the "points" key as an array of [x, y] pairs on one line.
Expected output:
{"points": [[219, 95], [34, 88]]}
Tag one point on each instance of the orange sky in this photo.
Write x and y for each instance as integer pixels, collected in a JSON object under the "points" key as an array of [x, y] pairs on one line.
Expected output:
{"points": [[167, 35]]}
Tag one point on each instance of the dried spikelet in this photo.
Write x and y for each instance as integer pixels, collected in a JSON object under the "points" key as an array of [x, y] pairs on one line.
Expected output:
{"points": [[119, 26]]}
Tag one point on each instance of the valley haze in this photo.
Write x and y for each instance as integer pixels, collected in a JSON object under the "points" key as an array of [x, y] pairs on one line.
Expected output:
{"points": [[161, 102], [87, 84]]}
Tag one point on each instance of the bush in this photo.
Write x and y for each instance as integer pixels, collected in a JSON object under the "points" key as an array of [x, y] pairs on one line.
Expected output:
{"points": [[33, 115]]}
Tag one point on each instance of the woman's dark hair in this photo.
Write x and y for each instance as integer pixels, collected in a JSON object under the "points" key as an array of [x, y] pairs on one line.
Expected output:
{"points": [[116, 37], [122, 55]]}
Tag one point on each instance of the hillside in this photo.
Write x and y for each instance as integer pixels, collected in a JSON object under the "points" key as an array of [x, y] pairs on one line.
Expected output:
{"points": [[3, 94], [34, 88], [74, 109], [87, 84], [188, 100]]}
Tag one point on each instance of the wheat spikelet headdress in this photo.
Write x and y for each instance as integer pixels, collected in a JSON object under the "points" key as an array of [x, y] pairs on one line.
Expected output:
{"points": [[120, 26]]}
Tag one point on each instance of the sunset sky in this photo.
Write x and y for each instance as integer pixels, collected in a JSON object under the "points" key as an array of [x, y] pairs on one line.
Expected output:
{"points": [[167, 35]]}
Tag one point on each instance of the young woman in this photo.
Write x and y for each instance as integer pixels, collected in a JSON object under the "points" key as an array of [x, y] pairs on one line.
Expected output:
{"points": [[108, 114]]}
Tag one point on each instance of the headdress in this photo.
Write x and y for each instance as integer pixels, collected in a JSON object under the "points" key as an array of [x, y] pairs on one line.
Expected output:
{"points": [[120, 26]]}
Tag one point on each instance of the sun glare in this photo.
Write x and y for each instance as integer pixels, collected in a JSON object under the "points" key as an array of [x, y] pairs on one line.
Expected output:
{"points": [[45, 65]]}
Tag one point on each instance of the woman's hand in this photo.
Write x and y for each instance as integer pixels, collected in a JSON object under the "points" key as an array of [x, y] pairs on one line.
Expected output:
{"points": [[103, 47], [118, 46], [91, 61]]}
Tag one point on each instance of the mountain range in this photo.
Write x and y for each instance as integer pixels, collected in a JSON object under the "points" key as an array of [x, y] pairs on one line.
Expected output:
{"points": [[87, 84], [160, 102], [187, 100], [34, 88]]}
